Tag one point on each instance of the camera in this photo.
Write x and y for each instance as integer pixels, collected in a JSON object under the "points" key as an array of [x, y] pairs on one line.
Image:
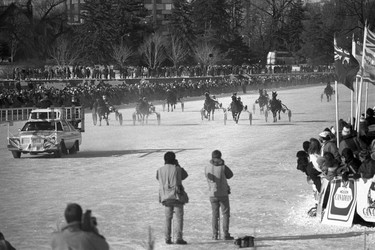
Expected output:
{"points": [[89, 222]]}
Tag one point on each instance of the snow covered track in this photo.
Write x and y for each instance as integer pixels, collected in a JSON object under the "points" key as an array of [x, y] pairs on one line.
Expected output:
{"points": [[114, 175]]}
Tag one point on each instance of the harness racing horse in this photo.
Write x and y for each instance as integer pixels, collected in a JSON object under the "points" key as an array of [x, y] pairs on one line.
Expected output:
{"points": [[209, 106], [262, 100], [142, 110], [103, 112], [276, 106], [236, 107], [328, 91], [171, 99]]}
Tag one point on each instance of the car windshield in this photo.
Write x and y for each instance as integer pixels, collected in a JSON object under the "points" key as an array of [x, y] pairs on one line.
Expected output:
{"points": [[33, 126]]}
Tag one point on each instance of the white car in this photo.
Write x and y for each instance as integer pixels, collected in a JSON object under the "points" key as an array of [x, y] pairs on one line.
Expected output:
{"points": [[46, 131]]}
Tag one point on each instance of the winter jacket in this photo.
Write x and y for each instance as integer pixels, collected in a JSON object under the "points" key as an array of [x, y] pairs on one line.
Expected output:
{"points": [[330, 146], [352, 142], [72, 237], [367, 168], [170, 177], [217, 174]]}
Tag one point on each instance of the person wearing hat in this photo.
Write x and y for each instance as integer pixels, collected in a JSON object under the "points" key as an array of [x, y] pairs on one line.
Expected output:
{"points": [[350, 140], [329, 144], [170, 177], [217, 174]]}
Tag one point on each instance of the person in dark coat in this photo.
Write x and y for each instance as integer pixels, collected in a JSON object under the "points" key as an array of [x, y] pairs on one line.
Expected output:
{"points": [[350, 140], [350, 164]]}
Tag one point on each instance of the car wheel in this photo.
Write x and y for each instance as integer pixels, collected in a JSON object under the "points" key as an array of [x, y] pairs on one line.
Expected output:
{"points": [[16, 154], [73, 150], [64, 150], [58, 153]]}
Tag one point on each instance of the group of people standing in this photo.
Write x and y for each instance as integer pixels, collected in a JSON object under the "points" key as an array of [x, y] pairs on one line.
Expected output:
{"points": [[170, 178], [81, 232]]}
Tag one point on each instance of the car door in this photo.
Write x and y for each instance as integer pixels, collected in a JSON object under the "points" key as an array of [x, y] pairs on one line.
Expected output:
{"points": [[68, 135]]}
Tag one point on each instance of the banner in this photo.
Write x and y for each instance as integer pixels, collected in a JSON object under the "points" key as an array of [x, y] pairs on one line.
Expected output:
{"points": [[341, 204], [366, 199]]}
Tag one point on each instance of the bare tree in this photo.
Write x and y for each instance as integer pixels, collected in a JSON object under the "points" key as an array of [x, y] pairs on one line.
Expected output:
{"points": [[207, 54], [63, 52], [121, 54], [153, 50], [177, 51]]}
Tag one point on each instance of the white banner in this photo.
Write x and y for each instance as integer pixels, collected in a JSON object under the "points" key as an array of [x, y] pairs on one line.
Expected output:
{"points": [[366, 199], [341, 204]]}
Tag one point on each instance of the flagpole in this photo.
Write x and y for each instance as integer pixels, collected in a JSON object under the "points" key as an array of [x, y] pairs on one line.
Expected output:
{"points": [[362, 69], [337, 116], [366, 96], [356, 104], [355, 91], [351, 106]]}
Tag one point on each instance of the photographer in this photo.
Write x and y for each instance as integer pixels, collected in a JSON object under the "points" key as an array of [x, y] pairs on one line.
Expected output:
{"points": [[217, 174], [170, 177], [79, 233]]}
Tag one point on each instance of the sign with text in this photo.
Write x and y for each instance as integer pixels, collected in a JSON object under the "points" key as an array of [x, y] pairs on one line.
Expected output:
{"points": [[366, 199], [341, 204]]}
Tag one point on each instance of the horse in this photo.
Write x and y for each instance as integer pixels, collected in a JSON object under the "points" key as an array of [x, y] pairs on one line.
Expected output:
{"points": [[236, 107], [142, 110], [171, 99], [262, 100], [209, 106], [276, 106], [328, 91], [103, 113]]}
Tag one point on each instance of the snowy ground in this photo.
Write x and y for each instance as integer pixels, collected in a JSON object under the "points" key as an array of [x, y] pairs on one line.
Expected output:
{"points": [[114, 175]]}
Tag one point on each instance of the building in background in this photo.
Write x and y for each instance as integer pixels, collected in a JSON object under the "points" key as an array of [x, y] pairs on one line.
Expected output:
{"points": [[75, 10], [159, 12]]}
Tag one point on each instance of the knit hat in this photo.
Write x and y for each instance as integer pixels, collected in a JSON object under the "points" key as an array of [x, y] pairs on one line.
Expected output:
{"points": [[216, 154], [345, 131], [325, 135]]}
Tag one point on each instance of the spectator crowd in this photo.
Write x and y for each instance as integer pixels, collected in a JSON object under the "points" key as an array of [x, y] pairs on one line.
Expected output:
{"points": [[49, 72], [322, 159], [66, 93]]}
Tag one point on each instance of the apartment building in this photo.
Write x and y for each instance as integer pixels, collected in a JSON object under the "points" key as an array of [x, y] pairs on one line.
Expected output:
{"points": [[159, 11]]}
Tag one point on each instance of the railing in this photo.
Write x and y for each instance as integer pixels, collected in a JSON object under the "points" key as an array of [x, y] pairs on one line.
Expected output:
{"points": [[15, 114], [22, 114]]}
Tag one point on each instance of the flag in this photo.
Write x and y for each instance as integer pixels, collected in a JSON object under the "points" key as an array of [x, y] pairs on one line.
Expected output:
{"points": [[346, 66], [369, 59]]}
